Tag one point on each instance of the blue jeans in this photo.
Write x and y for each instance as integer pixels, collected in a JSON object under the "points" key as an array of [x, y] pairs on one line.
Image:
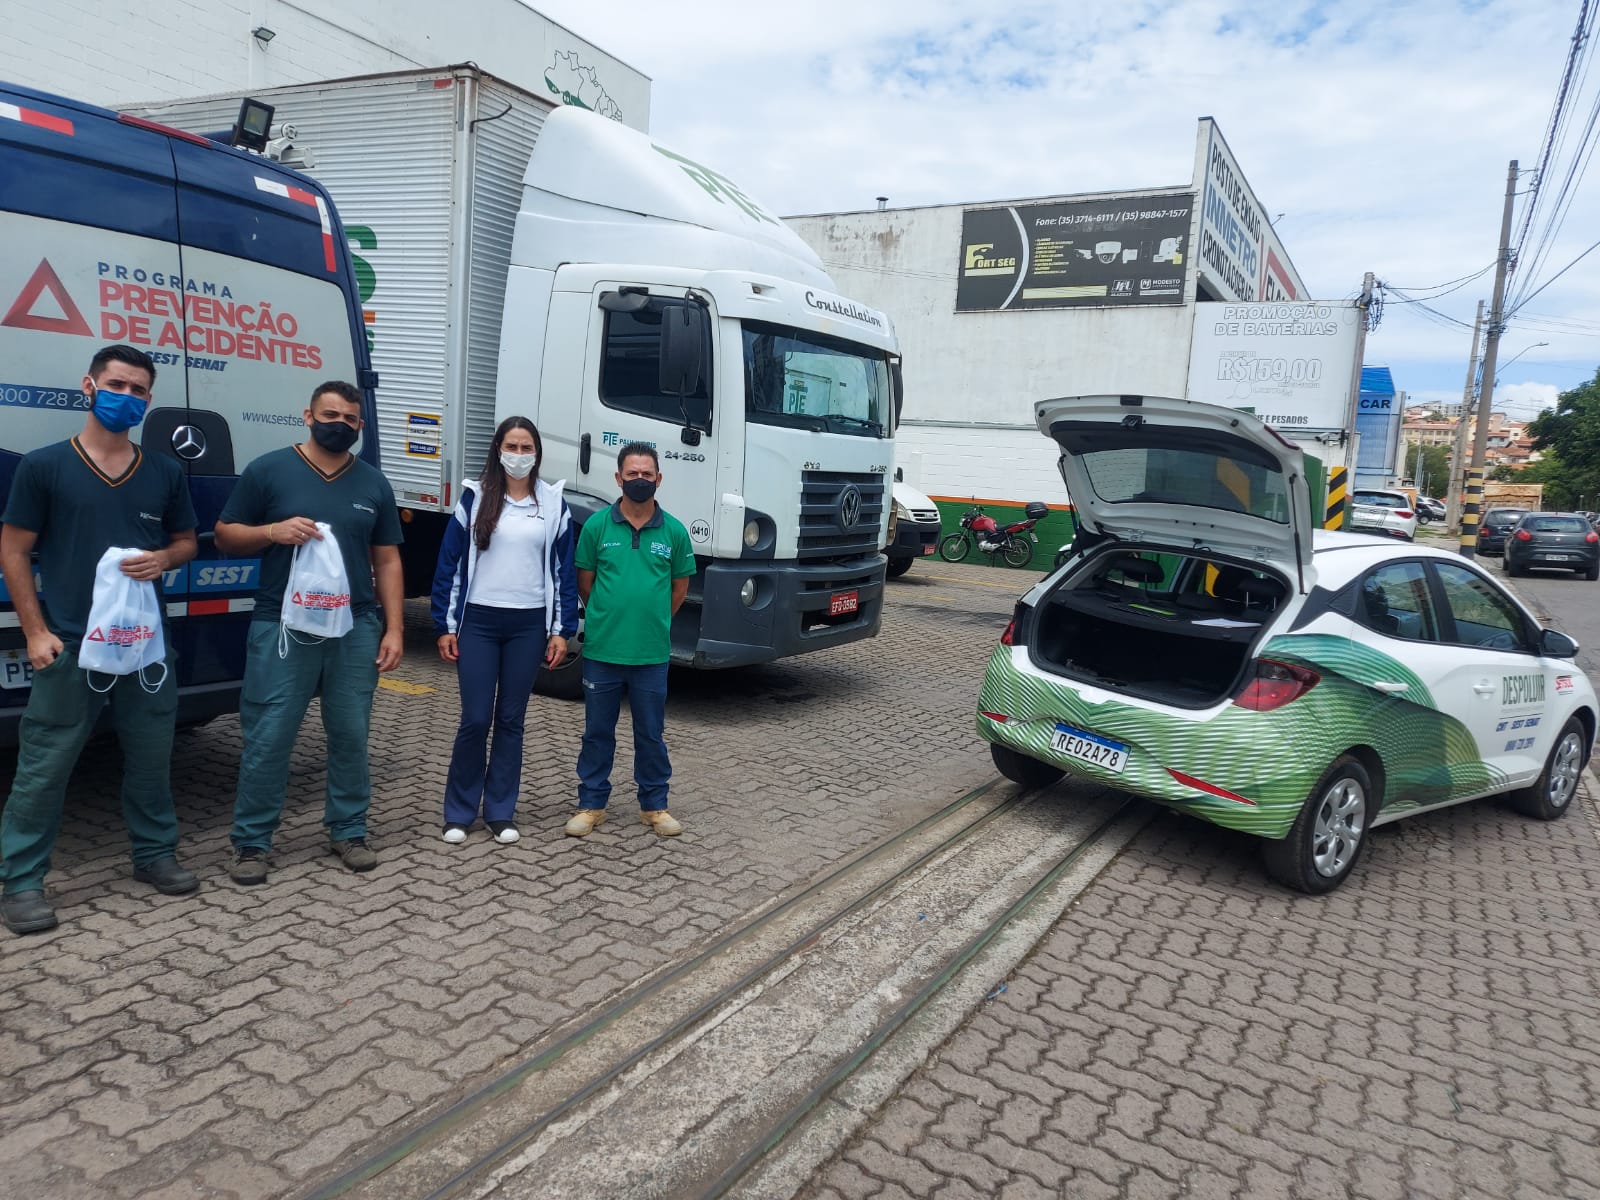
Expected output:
{"points": [[273, 702], [501, 649], [603, 686]]}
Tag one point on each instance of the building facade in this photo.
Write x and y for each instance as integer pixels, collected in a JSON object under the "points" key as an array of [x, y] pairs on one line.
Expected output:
{"points": [[999, 305]]}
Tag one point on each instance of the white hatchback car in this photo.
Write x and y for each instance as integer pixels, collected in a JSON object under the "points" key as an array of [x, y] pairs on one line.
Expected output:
{"points": [[1207, 648], [1378, 511]]}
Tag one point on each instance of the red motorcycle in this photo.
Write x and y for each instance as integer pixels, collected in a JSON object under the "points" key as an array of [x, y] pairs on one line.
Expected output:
{"points": [[1013, 542]]}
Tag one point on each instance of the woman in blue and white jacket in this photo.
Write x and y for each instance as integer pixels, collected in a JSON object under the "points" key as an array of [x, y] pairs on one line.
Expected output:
{"points": [[505, 600]]}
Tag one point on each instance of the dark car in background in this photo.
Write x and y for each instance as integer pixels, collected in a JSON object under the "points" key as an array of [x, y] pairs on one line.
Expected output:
{"points": [[1496, 526], [1563, 541], [1429, 509]]}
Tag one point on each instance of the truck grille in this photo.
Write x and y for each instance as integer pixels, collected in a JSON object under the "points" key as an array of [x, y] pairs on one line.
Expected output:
{"points": [[822, 511]]}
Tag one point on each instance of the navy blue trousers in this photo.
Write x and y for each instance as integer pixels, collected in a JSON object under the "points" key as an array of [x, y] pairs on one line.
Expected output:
{"points": [[501, 650]]}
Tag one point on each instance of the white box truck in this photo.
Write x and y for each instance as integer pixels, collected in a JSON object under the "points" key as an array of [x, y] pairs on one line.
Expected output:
{"points": [[519, 257]]}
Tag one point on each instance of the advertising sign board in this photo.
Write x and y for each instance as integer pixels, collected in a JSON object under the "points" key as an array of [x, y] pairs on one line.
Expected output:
{"points": [[1240, 257], [1289, 364], [1124, 250]]}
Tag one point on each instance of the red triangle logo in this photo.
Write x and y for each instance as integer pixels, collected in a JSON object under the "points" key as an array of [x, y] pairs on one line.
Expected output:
{"points": [[95, 635], [297, 599], [45, 279]]}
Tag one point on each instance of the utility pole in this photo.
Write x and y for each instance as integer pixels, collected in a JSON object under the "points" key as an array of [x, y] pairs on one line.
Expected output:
{"points": [[1491, 353], [1458, 456]]}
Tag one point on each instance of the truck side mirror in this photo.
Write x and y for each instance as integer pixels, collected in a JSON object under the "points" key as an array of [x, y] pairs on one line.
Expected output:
{"points": [[898, 388], [683, 332]]}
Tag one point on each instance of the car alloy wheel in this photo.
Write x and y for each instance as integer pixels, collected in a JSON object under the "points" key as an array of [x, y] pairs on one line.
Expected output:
{"points": [[1551, 794], [1328, 835]]}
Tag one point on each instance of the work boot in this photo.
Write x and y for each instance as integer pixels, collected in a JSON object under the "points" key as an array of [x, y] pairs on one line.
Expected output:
{"points": [[27, 912], [249, 866], [167, 877], [355, 852], [662, 822], [582, 822]]}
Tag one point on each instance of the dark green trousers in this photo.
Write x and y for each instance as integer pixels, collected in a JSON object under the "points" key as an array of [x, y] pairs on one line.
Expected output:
{"points": [[61, 713]]}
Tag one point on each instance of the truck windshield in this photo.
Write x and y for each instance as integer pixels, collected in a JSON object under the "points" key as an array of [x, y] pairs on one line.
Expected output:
{"points": [[810, 381]]}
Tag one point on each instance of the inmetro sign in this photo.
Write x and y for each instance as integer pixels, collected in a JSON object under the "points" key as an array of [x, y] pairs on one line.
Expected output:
{"points": [[44, 279]]}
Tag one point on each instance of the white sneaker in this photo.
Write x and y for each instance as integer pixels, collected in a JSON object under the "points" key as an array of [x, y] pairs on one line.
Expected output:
{"points": [[504, 832], [454, 834]]}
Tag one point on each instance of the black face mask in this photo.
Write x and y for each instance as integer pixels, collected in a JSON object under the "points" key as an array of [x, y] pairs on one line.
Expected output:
{"points": [[639, 490], [334, 436]]}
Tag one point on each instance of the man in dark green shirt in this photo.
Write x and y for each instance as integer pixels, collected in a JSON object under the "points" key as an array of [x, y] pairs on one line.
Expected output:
{"points": [[70, 503], [634, 565], [275, 508]]}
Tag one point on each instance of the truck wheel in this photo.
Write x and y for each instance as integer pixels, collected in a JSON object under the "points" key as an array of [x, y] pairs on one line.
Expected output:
{"points": [[954, 547], [564, 681], [898, 567], [1019, 768]]}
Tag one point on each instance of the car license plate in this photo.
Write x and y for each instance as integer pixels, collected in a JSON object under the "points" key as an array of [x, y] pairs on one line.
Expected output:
{"points": [[1089, 748], [15, 669], [930, 550], [1556, 557], [843, 602]]}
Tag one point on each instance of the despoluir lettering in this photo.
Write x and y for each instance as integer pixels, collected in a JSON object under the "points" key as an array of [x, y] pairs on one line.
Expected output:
{"points": [[1521, 689]]}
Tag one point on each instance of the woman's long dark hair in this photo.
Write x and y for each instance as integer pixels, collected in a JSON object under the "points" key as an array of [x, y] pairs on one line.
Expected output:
{"points": [[492, 483]]}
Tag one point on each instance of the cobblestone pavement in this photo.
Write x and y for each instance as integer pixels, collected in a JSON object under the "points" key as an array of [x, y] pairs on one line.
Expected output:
{"points": [[1430, 1030], [249, 1042]]}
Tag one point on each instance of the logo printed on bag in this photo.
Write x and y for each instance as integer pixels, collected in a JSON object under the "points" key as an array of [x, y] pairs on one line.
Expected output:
{"points": [[120, 635], [322, 599]]}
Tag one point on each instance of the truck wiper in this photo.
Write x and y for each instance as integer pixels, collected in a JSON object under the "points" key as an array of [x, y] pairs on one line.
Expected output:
{"points": [[859, 422]]}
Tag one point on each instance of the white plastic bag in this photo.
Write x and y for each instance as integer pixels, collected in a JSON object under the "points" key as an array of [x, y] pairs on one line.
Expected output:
{"points": [[316, 600], [124, 632]]}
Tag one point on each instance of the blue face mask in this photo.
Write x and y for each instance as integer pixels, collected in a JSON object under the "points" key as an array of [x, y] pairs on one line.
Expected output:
{"points": [[118, 411]]}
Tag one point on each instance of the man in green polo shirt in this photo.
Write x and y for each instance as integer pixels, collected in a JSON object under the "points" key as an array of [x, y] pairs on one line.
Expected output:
{"points": [[70, 503], [276, 506], [634, 563]]}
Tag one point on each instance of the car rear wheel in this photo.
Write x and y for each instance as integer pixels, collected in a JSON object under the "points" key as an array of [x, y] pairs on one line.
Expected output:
{"points": [[1019, 768], [1327, 836], [1594, 570], [1551, 794]]}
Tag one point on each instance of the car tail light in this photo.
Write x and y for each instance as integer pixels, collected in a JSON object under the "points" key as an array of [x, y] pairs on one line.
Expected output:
{"points": [[1274, 684], [1404, 513], [1522, 535], [1006, 637], [1591, 536], [1016, 633]]}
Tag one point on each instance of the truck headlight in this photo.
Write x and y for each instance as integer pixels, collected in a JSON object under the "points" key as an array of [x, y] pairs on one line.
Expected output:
{"points": [[752, 535]]}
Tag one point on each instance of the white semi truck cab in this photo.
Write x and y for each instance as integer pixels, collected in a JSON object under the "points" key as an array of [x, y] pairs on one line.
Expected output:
{"points": [[649, 300]]}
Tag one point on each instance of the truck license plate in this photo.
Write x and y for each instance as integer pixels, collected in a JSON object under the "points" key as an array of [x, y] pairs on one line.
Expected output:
{"points": [[843, 602], [15, 669], [1090, 748]]}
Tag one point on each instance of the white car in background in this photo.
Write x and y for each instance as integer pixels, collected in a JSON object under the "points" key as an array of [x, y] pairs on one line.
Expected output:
{"points": [[1375, 510]]}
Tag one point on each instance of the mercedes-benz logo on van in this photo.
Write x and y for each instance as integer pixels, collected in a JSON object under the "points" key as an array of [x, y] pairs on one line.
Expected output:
{"points": [[849, 506], [188, 443]]}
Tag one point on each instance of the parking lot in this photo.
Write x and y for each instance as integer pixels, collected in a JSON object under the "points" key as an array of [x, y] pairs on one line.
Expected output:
{"points": [[1187, 1028]]}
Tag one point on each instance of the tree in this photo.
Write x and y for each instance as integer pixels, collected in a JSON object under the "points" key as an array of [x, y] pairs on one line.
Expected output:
{"points": [[1569, 438], [1429, 468]]}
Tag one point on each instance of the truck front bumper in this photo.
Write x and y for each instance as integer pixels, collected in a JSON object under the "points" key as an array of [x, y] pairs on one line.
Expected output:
{"points": [[797, 607]]}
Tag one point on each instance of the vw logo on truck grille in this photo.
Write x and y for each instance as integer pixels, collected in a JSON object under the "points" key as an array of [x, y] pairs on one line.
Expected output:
{"points": [[849, 506]]}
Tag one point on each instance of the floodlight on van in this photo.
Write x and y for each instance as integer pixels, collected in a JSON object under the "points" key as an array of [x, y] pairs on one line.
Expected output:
{"points": [[252, 126]]}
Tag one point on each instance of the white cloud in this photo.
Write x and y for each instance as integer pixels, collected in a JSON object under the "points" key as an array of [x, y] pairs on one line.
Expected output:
{"points": [[1381, 132]]}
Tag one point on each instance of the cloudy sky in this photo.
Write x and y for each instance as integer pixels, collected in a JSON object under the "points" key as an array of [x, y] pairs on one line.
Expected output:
{"points": [[1380, 129]]}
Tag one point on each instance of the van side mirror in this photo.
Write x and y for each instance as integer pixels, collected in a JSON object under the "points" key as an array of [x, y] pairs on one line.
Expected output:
{"points": [[1553, 644], [899, 474]]}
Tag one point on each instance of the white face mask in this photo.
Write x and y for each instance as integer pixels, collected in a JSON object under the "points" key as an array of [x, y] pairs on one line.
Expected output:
{"points": [[519, 466]]}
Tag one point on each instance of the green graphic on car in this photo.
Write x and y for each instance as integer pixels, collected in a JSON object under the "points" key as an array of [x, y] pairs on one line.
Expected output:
{"points": [[1265, 762]]}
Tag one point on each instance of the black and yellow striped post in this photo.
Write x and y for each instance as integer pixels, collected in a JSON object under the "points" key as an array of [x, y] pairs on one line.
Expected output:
{"points": [[1338, 497], [1471, 508]]}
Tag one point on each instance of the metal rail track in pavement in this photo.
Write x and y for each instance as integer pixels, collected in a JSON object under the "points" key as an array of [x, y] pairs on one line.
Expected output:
{"points": [[494, 1138]]}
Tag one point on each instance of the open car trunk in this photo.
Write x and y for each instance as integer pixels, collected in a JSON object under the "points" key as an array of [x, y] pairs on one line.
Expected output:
{"points": [[1167, 627]]}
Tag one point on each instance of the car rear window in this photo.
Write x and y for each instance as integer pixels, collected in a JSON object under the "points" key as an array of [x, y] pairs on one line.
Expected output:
{"points": [[1555, 525], [1382, 499], [1503, 516]]}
